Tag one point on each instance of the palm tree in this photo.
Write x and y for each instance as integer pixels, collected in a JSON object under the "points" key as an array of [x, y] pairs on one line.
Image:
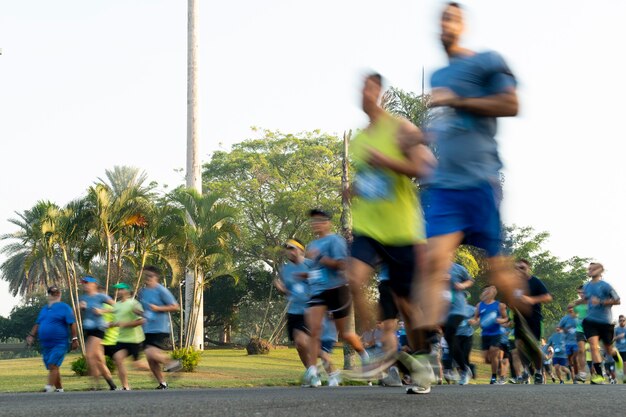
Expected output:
{"points": [[409, 105], [117, 205], [208, 231], [31, 263]]}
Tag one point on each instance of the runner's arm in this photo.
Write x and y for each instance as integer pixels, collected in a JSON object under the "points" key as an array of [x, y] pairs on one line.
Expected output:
{"points": [[30, 337], [504, 318], [497, 105], [540, 299], [280, 286]]}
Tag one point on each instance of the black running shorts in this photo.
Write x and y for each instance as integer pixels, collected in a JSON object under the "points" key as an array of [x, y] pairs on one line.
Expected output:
{"points": [[296, 322], [388, 309], [158, 340], [604, 331], [400, 261], [337, 301]]}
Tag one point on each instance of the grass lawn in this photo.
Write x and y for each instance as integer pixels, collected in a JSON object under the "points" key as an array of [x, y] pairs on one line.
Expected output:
{"points": [[219, 368]]}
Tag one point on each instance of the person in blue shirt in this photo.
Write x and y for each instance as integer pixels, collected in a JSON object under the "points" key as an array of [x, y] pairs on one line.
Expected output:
{"points": [[91, 303], [296, 289], [462, 197], [465, 335], [559, 359], [460, 280], [490, 314], [53, 327], [325, 257], [569, 323], [620, 339], [157, 301], [598, 325]]}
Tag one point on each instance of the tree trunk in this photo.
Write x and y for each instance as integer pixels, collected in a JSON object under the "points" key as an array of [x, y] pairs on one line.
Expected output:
{"points": [[74, 301], [109, 259]]}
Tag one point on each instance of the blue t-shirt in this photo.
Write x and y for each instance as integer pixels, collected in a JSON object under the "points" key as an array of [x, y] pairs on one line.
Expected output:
{"points": [[544, 350], [54, 321], [298, 288], [568, 324], [467, 151], [329, 331], [458, 274], [620, 344], [489, 314], [92, 320], [322, 278], [465, 329], [156, 321], [557, 341], [603, 291]]}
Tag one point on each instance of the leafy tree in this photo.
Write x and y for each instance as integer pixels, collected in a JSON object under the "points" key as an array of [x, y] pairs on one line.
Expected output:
{"points": [[409, 105]]}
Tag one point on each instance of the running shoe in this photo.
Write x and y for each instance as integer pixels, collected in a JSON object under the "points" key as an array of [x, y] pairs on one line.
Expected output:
{"points": [[59, 390], [502, 381], [465, 377], [612, 381], [553, 380], [598, 380], [311, 379], [512, 380], [392, 379], [420, 369], [48, 388], [581, 377], [538, 380], [619, 366], [173, 366], [334, 379], [372, 368], [418, 390], [162, 387], [493, 381], [561, 382]]}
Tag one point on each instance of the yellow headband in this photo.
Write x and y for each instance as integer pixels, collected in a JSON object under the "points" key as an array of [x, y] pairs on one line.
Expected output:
{"points": [[295, 243]]}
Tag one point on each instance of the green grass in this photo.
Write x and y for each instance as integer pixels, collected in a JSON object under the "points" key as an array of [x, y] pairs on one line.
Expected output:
{"points": [[219, 368]]}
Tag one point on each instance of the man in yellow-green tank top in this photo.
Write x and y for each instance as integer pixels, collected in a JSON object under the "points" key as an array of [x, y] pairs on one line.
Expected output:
{"points": [[386, 216]]}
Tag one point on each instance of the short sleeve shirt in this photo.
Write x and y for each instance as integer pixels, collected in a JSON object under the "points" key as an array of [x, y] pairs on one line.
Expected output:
{"points": [[54, 321], [156, 321], [466, 147], [620, 343], [92, 320], [557, 341], [569, 325], [458, 274], [129, 311], [297, 287], [603, 291], [321, 278]]}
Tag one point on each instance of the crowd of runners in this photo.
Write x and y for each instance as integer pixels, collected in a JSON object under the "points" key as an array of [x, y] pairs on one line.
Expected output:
{"points": [[408, 243]]}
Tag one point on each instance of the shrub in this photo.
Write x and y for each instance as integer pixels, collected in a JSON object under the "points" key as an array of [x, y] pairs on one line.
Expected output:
{"points": [[258, 346], [189, 358], [79, 366]]}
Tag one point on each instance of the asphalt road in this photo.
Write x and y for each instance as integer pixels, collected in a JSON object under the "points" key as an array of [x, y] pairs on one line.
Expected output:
{"points": [[476, 400]]}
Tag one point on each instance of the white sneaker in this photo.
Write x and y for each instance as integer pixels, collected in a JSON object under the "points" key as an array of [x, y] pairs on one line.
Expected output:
{"points": [[311, 379], [173, 366], [59, 390], [418, 390], [392, 379], [465, 377], [334, 379], [48, 388]]}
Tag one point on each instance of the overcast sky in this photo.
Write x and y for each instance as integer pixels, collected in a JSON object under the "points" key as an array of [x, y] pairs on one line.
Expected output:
{"points": [[86, 85]]}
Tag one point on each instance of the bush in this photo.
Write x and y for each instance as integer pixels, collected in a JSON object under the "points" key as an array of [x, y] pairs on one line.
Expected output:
{"points": [[189, 358], [258, 346], [79, 366]]}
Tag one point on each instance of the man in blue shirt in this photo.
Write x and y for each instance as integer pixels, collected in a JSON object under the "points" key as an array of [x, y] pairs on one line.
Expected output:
{"points": [[157, 301], [296, 289], [569, 323], [52, 326], [462, 197], [326, 258], [559, 360], [598, 325], [460, 280]]}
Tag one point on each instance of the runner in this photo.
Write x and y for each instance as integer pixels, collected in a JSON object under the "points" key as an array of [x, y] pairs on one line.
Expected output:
{"points": [[329, 338], [559, 360], [109, 342], [490, 314], [537, 295], [548, 353], [91, 304], [465, 336], [581, 312], [600, 298], [329, 291], [463, 195], [128, 319], [157, 301], [297, 291], [609, 367], [460, 281], [569, 324], [53, 327], [387, 226], [620, 339]]}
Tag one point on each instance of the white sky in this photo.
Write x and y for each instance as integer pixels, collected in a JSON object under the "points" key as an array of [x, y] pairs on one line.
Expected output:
{"points": [[86, 85]]}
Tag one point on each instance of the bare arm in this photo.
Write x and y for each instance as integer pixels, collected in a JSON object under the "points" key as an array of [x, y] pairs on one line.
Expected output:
{"points": [[165, 309], [280, 286], [503, 316], [541, 299], [497, 105]]}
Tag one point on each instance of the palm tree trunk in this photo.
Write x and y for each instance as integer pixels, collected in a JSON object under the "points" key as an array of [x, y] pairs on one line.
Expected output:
{"points": [[73, 300], [109, 259], [144, 257]]}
